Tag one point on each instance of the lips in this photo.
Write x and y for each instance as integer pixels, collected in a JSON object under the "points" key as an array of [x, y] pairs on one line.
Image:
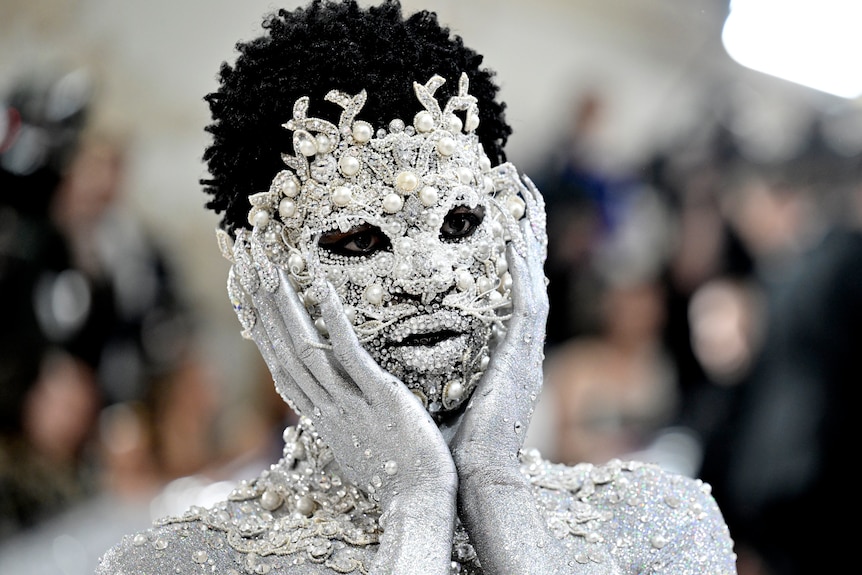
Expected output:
{"points": [[427, 339], [426, 330]]}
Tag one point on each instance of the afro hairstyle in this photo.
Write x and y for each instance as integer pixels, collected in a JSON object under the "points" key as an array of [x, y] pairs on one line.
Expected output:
{"points": [[326, 45]]}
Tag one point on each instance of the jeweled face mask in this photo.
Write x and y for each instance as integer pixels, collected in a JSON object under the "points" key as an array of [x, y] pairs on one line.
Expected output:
{"points": [[410, 225]]}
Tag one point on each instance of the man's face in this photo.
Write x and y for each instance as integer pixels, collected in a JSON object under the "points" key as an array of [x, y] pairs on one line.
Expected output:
{"points": [[410, 225], [422, 286]]}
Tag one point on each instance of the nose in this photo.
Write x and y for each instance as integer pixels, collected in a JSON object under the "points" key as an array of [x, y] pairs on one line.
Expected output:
{"points": [[424, 267]]}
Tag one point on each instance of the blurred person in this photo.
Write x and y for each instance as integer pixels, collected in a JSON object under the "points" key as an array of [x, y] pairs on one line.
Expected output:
{"points": [[49, 396], [586, 201], [99, 356], [138, 315], [613, 392], [392, 280], [780, 460], [49, 403]]}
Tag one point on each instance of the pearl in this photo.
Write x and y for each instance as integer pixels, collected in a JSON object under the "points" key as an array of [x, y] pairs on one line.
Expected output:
{"points": [[516, 207], [464, 280], [200, 556], [350, 313], [497, 332], [261, 219], [307, 145], [505, 281], [341, 196], [320, 325], [446, 146], [423, 121], [374, 294], [305, 505], [484, 163], [465, 175], [483, 251], [406, 181], [309, 298], [401, 270], [362, 131], [502, 266], [404, 245], [472, 121], [488, 184], [428, 196], [251, 215], [295, 263], [454, 390], [454, 123], [324, 144], [483, 363], [433, 220], [286, 208], [270, 500], [484, 284], [494, 296], [349, 165], [390, 467], [290, 188], [496, 229], [392, 203]]}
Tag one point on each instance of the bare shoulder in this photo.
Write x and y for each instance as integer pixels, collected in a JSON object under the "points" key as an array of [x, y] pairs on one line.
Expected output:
{"points": [[637, 515]]}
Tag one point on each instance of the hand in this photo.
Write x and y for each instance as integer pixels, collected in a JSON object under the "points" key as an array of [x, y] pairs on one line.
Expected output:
{"points": [[492, 429], [380, 434]]}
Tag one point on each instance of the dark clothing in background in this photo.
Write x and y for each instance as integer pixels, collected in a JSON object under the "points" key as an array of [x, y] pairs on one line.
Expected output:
{"points": [[781, 469]]}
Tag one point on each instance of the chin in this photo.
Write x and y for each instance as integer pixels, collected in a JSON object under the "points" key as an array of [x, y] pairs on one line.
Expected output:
{"points": [[441, 375]]}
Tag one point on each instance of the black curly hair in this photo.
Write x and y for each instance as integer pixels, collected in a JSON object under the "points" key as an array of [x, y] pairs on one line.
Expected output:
{"points": [[309, 51]]}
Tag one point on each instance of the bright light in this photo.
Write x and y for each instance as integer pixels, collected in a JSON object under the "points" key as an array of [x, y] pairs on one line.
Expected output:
{"points": [[816, 43]]}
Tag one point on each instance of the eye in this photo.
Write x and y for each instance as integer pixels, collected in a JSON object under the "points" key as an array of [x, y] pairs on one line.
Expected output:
{"points": [[461, 222], [361, 240]]}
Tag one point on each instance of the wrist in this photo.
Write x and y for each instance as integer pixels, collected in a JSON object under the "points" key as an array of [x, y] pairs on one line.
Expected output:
{"points": [[478, 460], [418, 490]]}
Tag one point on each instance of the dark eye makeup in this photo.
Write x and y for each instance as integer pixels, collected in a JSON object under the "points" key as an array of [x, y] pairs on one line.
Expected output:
{"points": [[461, 222], [366, 239], [361, 240]]}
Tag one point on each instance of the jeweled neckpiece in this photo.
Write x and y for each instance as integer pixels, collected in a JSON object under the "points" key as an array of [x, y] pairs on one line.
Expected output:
{"points": [[445, 295]]}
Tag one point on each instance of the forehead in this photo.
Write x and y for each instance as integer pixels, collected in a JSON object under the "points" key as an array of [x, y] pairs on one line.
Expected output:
{"points": [[353, 171], [400, 180]]}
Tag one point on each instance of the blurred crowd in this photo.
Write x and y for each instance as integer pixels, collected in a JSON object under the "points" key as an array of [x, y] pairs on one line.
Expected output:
{"points": [[705, 315], [109, 412]]}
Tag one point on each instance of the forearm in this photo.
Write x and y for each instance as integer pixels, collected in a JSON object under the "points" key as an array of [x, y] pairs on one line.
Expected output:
{"points": [[417, 534], [508, 531]]}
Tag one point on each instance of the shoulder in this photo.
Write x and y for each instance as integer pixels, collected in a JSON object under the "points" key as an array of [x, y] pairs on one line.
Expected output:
{"points": [[224, 541], [644, 518]]}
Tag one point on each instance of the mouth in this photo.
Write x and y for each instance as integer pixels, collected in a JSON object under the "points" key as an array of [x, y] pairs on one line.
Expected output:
{"points": [[427, 330], [426, 339]]}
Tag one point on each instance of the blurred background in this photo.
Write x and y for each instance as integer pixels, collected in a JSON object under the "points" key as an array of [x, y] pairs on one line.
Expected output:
{"points": [[705, 260]]}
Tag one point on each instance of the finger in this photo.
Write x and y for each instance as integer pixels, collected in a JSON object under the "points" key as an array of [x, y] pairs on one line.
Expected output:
{"points": [[289, 339], [536, 213], [287, 386], [529, 297], [244, 265], [265, 268], [357, 364], [241, 302]]}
